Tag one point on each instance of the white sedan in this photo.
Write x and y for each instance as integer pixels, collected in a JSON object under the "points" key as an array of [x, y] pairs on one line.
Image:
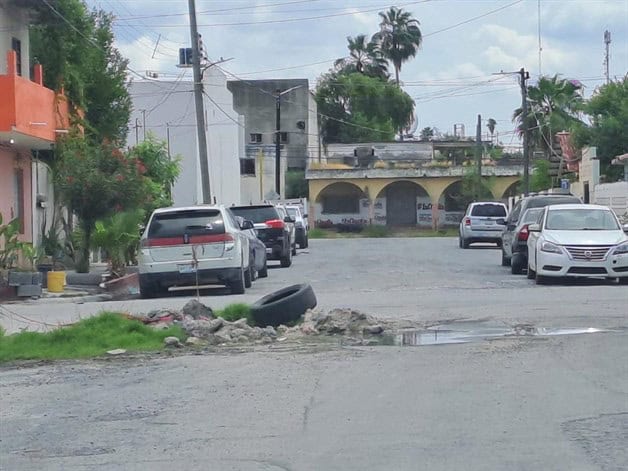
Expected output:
{"points": [[578, 240]]}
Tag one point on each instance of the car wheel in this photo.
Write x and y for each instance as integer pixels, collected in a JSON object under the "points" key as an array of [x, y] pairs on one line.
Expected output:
{"points": [[238, 286], [540, 279], [286, 260], [283, 306], [459, 241], [505, 260], [294, 249], [248, 277], [465, 243], [263, 273], [147, 290], [531, 273], [516, 264], [306, 242]]}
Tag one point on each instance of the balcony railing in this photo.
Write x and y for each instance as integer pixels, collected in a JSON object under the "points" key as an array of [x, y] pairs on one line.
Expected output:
{"points": [[30, 114]]}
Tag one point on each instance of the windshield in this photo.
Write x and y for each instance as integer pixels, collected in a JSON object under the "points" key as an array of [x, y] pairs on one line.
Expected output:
{"points": [[293, 212], [257, 214], [489, 210], [581, 220], [531, 215]]}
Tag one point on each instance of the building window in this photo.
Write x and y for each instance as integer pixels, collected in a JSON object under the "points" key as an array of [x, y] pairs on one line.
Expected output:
{"points": [[19, 198], [16, 45], [344, 204], [284, 138], [247, 167], [256, 138]]}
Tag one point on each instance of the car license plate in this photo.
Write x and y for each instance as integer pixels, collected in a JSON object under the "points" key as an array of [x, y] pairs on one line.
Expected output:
{"points": [[187, 269], [488, 222]]}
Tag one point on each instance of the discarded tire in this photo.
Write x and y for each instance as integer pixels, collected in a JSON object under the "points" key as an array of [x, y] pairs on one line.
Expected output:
{"points": [[283, 306]]}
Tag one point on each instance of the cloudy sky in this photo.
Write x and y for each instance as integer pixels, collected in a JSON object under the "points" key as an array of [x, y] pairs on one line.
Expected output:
{"points": [[451, 79]]}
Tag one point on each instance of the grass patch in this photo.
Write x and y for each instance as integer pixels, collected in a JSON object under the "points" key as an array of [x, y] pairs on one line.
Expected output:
{"points": [[375, 231], [236, 311], [318, 233], [89, 337]]}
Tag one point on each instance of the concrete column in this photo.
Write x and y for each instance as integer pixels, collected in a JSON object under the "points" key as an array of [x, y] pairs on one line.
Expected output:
{"points": [[11, 63], [435, 212]]}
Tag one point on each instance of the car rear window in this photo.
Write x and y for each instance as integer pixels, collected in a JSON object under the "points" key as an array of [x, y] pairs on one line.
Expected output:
{"points": [[488, 210], [257, 214], [542, 202], [292, 212], [192, 222]]}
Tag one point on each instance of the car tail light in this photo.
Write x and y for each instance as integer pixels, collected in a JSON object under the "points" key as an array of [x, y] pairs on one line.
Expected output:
{"points": [[467, 221], [523, 233], [275, 224]]}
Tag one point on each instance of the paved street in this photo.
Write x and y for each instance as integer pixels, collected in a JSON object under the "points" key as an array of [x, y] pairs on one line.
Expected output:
{"points": [[557, 403]]}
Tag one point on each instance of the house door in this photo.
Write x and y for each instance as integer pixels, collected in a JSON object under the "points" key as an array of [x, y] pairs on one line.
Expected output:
{"points": [[401, 200]]}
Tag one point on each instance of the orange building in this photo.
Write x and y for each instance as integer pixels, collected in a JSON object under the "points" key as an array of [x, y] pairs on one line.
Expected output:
{"points": [[31, 119]]}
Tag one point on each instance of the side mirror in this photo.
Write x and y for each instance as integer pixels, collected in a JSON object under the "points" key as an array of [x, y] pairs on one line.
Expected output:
{"points": [[289, 219], [501, 222], [625, 228], [246, 224], [534, 228]]}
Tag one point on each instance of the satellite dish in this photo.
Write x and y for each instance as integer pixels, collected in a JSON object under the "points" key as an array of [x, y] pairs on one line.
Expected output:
{"points": [[412, 126]]}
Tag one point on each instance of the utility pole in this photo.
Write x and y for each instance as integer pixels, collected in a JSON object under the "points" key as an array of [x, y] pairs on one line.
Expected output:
{"points": [[137, 131], [523, 76], [198, 100], [143, 124], [607, 42], [478, 156], [278, 95], [278, 143]]}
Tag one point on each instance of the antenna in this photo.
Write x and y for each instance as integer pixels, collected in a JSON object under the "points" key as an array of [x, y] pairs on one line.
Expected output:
{"points": [[607, 42]]}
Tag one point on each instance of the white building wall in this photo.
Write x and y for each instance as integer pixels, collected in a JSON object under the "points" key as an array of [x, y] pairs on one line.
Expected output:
{"points": [[167, 109]]}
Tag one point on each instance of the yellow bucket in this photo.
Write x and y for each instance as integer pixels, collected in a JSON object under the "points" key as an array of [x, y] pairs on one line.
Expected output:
{"points": [[56, 281]]}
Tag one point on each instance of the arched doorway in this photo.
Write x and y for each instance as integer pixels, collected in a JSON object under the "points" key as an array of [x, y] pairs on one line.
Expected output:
{"points": [[512, 190], [401, 202], [341, 203]]}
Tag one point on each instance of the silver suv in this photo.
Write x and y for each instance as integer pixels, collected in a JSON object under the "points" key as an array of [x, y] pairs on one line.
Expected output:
{"points": [[480, 223]]}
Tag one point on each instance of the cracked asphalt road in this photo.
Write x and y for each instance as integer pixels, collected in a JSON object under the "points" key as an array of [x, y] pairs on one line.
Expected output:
{"points": [[511, 403]]}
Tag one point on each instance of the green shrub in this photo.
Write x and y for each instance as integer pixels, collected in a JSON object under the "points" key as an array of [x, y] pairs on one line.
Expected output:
{"points": [[236, 311]]}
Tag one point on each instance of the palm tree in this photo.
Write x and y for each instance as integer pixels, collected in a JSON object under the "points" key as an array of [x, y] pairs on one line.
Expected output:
{"points": [[491, 127], [399, 37], [553, 106], [365, 57]]}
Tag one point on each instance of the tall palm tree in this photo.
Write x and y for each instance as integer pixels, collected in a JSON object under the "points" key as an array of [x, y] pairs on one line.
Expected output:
{"points": [[553, 106], [399, 37], [365, 57], [491, 127]]}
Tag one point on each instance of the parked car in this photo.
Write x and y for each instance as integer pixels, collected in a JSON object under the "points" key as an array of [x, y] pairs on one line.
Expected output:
{"points": [[273, 227], [479, 223], [578, 240], [259, 262], [515, 243], [300, 224], [183, 247], [533, 201], [290, 224]]}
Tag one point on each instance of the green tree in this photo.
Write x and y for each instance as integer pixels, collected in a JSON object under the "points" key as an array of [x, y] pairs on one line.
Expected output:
{"points": [[296, 184], [608, 109], [365, 57], [399, 38], [491, 124], [553, 106], [94, 181], [82, 61], [159, 171], [540, 178], [427, 134], [358, 108]]}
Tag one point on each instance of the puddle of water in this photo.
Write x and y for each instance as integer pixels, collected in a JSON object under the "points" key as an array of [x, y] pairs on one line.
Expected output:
{"points": [[450, 335]]}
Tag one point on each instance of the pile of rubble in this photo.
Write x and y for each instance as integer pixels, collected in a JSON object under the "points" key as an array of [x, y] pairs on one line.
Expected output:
{"points": [[204, 328]]}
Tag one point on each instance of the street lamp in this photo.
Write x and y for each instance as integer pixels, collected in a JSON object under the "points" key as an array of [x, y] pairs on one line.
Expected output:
{"points": [[278, 95]]}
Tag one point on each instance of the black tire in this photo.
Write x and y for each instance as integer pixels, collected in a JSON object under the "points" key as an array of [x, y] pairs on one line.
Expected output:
{"points": [[540, 279], [286, 260], [248, 277], [516, 264], [306, 242], [283, 306], [465, 243], [294, 249], [238, 286], [505, 260], [147, 289], [459, 241], [263, 273], [531, 274]]}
